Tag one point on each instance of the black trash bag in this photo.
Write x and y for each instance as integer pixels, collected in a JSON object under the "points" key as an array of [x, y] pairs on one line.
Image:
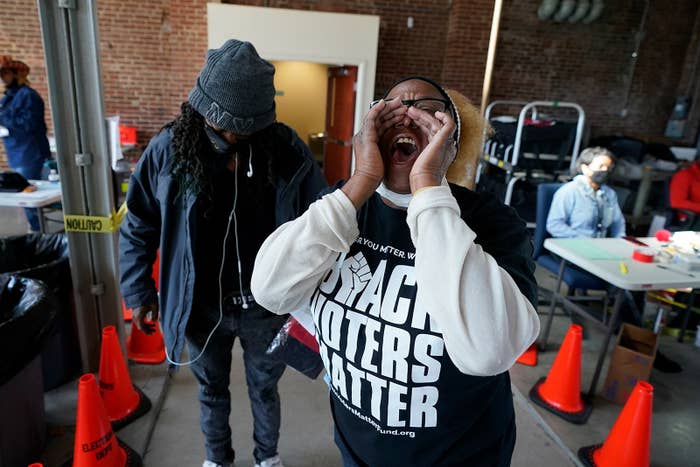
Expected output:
{"points": [[27, 319], [37, 256], [45, 257]]}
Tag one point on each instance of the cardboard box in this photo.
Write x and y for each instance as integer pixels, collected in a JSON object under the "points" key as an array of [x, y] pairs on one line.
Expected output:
{"points": [[631, 361]]}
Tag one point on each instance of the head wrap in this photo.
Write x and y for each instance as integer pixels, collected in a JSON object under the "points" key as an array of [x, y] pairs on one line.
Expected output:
{"points": [[21, 69]]}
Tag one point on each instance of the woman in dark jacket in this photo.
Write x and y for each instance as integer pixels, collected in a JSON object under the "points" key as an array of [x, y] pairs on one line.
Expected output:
{"points": [[24, 134]]}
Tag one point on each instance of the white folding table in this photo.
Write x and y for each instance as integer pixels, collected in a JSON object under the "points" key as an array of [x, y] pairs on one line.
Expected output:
{"points": [[47, 194], [610, 259]]}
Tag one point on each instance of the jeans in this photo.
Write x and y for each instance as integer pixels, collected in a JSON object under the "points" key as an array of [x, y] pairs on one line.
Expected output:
{"points": [[31, 172], [256, 327], [349, 460]]}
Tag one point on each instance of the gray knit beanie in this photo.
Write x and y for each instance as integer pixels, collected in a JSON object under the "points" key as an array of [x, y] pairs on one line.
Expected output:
{"points": [[235, 89]]}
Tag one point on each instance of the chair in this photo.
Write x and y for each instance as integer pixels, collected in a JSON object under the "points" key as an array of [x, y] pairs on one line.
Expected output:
{"points": [[676, 219], [577, 281]]}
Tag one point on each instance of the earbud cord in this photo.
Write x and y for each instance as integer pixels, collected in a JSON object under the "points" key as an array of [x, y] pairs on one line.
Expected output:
{"points": [[235, 235], [250, 161], [232, 215]]}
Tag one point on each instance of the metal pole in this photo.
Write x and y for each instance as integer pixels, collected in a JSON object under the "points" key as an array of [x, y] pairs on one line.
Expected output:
{"points": [[71, 47], [491, 56]]}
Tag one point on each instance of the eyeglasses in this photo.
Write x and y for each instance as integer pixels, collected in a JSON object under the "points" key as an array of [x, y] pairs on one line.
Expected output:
{"points": [[428, 104]]}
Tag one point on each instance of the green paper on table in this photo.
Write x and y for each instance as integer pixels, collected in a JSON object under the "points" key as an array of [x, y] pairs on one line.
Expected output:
{"points": [[583, 247]]}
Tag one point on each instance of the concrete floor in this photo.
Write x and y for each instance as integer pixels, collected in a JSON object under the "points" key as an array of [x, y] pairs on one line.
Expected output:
{"points": [[174, 438], [307, 429]]}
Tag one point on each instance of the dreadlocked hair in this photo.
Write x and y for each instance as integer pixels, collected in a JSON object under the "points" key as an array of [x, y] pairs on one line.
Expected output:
{"points": [[194, 160], [192, 153]]}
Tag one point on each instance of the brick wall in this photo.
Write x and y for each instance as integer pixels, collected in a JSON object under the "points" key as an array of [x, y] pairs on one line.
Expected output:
{"points": [[401, 51], [590, 64], [468, 34], [151, 53]]}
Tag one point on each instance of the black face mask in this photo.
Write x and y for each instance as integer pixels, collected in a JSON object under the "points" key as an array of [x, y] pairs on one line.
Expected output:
{"points": [[600, 177], [219, 144]]}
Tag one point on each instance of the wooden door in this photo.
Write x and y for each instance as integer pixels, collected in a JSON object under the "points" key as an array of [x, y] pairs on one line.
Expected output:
{"points": [[340, 114]]}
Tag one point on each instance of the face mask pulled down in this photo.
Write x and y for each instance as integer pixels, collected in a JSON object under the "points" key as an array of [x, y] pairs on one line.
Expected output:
{"points": [[400, 200]]}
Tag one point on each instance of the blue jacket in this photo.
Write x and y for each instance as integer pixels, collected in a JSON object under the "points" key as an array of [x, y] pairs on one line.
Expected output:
{"points": [[578, 211], [22, 113], [160, 216]]}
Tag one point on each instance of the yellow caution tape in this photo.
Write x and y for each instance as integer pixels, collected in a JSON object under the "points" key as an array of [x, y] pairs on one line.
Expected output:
{"points": [[95, 224]]}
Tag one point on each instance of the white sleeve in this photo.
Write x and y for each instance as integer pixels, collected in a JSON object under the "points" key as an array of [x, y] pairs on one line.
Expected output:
{"points": [[295, 257], [487, 323]]}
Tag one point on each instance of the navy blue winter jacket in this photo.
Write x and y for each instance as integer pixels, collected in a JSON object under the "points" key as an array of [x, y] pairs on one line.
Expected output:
{"points": [[159, 215], [22, 113]]}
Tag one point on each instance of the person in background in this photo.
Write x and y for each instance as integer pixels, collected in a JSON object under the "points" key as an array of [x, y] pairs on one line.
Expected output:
{"points": [[209, 188], [684, 192], [421, 292], [586, 206], [22, 117]]}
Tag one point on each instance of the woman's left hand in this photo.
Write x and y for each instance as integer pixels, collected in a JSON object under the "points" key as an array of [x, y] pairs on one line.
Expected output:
{"points": [[432, 164]]}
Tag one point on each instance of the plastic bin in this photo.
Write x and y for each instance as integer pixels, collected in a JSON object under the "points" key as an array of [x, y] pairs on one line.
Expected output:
{"points": [[45, 257], [27, 317]]}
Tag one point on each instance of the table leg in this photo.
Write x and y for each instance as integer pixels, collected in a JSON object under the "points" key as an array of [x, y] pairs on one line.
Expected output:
{"points": [[552, 307], [686, 317], [42, 224], [619, 298]]}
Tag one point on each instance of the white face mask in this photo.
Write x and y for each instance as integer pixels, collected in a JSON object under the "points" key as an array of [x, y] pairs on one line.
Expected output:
{"points": [[400, 200]]}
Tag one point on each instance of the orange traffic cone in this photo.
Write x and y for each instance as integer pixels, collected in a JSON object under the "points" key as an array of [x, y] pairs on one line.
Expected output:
{"points": [[627, 444], [145, 348], [123, 401], [529, 357], [127, 313], [560, 391], [95, 442]]}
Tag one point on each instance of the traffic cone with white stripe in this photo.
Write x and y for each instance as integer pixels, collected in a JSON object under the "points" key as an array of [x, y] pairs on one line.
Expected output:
{"points": [[95, 442]]}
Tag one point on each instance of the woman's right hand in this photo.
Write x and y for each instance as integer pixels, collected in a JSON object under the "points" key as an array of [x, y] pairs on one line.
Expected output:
{"points": [[142, 321], [369, 166]]}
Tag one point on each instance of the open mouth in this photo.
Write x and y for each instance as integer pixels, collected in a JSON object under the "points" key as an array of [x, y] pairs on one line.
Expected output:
{"points": [[404, 149]]}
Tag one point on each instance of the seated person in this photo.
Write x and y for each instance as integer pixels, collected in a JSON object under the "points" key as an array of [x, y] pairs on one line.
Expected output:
{"points": [[586, 206], [684, 191]]}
